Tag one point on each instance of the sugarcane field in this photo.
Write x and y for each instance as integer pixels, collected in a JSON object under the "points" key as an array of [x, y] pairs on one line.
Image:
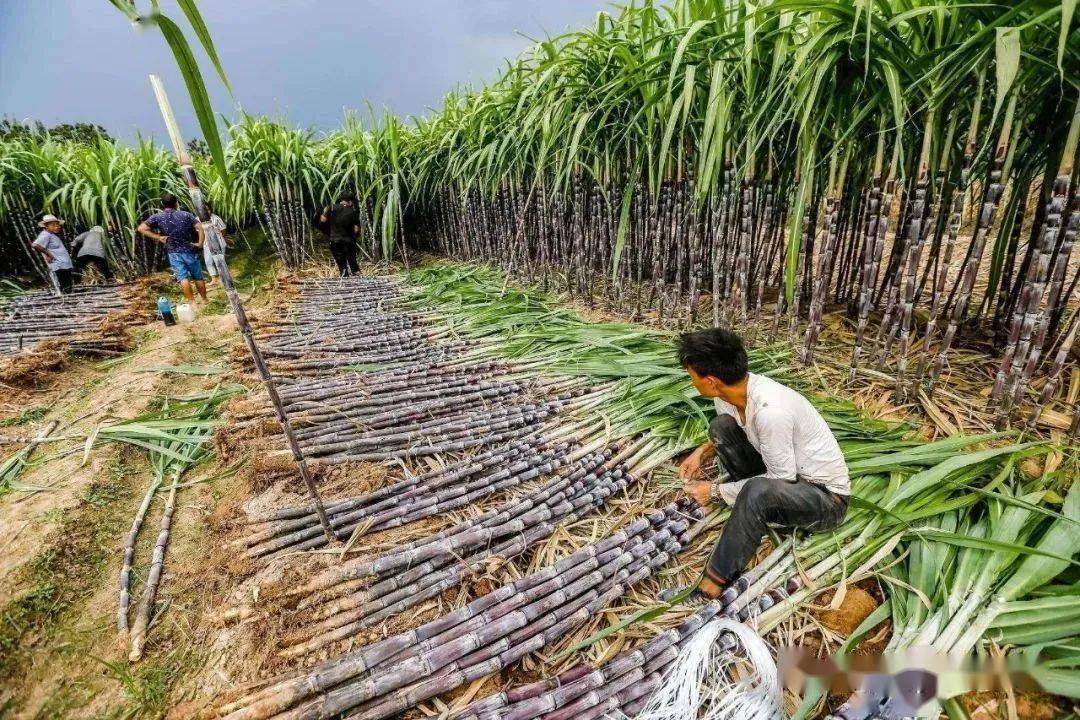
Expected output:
{"points": [[668, 359]]}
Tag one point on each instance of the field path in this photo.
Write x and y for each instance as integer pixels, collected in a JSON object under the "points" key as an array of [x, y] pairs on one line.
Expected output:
{"points": [[60, 652]]}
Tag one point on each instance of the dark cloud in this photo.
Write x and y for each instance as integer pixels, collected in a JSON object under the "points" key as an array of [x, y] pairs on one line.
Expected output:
{"points": [[79, 60]]}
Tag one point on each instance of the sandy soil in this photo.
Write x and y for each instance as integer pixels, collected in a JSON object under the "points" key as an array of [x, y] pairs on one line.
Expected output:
{"points": [[62, 655]]}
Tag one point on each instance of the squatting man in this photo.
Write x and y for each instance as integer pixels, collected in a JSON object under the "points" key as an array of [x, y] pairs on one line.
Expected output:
{"points": [[780, 463]]}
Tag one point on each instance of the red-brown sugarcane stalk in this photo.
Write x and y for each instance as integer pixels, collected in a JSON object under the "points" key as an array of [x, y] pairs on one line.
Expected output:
{"points": [[216, 250]]}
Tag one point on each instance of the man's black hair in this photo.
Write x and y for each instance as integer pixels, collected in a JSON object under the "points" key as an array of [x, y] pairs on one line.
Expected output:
{"points": [[168, 200], [715, 352], [347, 197]]}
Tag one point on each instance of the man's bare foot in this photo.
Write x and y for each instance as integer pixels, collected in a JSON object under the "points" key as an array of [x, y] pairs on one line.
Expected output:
{"points": [[710, 588]]}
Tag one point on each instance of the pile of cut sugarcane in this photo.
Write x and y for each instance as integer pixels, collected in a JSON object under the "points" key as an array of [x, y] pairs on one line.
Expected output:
{"points": [[534, 419], [74, 320]]}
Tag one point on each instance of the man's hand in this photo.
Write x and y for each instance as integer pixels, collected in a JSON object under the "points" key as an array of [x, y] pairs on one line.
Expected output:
{"points": [[146, 232], [700, 490], [691, 466]]}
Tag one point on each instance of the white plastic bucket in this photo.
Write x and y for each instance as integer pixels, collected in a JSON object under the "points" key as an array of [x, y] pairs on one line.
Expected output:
{"points": [[185, 313]]}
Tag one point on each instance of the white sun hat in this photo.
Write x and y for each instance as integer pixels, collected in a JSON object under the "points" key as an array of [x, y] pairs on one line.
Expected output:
{"points": [[48, 219]]}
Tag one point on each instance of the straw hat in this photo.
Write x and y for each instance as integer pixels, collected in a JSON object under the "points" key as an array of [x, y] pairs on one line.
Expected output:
{"points": [[48, 219]]}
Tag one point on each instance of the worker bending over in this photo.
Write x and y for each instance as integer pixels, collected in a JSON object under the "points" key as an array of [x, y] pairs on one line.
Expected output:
{"points": [[783, 466]]}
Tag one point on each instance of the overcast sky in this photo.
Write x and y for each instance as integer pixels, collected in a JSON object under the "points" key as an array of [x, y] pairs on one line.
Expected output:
{"points": [[80, 60]]}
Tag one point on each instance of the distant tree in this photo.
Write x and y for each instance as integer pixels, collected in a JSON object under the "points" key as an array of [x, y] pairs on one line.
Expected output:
{"points": [[80, 132], [198, 147], [77, 132]]}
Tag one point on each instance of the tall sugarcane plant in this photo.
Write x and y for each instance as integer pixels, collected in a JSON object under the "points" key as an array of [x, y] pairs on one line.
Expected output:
{"points": [[643, 167], [709, 161], [275, 172]]}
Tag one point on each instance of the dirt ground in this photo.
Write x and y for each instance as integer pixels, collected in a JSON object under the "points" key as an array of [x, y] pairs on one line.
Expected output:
{"points": [[61, 541]]}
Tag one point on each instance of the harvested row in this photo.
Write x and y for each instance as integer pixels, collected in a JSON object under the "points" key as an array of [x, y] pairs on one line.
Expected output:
{"points": [[74, 320], [335, 604], [528, 422], [485, 636], [625, 682]]}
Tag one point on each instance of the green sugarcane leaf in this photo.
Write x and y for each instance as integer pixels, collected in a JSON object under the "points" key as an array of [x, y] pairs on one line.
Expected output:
{"points": [[1068, 8], [200, 100], [620, 234], [1050, 628], [1007, 65], [128, 8], [993, 545], [191, 10], [1056, 681], [954, 709], [1061, 537]]}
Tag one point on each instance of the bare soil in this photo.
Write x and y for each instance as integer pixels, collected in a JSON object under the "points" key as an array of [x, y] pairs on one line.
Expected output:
{"points": [[61, 655]]}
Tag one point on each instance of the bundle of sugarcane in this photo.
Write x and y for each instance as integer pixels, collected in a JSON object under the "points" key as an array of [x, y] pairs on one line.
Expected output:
{"points": [[74, 319], [626, 681], [469, 480], [365, 591], [490, 633], [348, 322]]}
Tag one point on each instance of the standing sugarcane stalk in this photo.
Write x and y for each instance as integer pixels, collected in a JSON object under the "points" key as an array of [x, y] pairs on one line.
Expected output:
{"points": [[741, 292], [959, 202], [1008, 384], [872, 249], [804, 258], [984, 224], [217, 253], [920, 216], [820, 289], [1053, 377], [1049, 270]]}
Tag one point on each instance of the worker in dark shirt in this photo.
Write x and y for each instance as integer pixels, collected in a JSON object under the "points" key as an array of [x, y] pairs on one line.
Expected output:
{"points": [[342, 224], [182, 235]]}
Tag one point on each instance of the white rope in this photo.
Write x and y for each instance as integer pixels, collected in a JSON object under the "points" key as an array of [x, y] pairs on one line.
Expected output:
{"points": [[705, 683]]}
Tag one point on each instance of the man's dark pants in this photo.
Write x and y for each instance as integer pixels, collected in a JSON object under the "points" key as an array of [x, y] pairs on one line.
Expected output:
{"points": [[65, 279], [84, 261], [345, 257], [762, 501]]}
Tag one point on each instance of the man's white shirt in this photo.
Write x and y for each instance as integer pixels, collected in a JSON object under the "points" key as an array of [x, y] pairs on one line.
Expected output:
{"points": [[792, 437]]}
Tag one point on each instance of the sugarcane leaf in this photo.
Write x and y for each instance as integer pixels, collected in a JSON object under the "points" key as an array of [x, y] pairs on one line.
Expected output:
{"points": [[128, 8], [1007, 65], [1061, 537], [191, 11], [200, 99], [1057, 681], [992, 545], [1068, 8], [620, 234]]}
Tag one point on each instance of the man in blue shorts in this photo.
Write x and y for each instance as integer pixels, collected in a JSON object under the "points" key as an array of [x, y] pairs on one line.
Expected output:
{"points": [[182, 235]]}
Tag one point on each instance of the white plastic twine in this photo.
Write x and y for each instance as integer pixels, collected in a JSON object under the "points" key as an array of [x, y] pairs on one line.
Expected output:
{"points": [[701, 683]]}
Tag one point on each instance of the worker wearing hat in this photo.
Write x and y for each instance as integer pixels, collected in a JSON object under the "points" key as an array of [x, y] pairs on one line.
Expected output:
{"points": [[49, 244]]}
